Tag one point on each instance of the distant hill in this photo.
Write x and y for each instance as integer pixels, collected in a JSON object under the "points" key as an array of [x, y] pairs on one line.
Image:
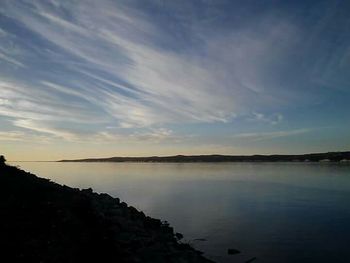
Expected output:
{"points": [[313, 157]]}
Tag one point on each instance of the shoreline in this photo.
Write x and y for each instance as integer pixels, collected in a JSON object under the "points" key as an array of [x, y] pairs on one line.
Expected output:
{"points": [[216, 158], [43, 221]]}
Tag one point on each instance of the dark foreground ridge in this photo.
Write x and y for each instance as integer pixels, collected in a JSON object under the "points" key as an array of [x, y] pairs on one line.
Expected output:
{"points": [[41, 221], [312, 157]]}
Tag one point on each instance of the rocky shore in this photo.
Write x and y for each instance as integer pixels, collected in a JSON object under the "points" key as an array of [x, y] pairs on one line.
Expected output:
{"points": [[41, 221]]}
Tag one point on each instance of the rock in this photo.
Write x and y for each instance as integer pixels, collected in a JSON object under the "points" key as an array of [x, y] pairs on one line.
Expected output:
{"points": [[232, 251], [80, 226], [251, 260], [179, 236], [87, 191]]}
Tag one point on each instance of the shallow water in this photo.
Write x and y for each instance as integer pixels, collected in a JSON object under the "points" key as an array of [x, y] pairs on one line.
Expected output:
{"points": [[277, 212]]}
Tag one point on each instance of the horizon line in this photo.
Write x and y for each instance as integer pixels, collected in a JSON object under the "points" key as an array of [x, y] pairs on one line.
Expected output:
{"points": [[182, 155]]}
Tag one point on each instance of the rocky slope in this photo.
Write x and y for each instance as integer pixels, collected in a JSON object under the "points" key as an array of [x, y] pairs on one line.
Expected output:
{"points": [[41, 221]]}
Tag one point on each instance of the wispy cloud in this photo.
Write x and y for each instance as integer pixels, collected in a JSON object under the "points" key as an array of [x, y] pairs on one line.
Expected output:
{"points": [[141, 82], [38, 127], [72, 68], [21, 136], [38, 103], [11, 136], [11, 60], [152, 136], [259, 136], [271, 119]]}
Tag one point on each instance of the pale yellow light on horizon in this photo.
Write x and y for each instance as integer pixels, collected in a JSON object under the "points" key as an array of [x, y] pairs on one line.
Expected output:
{"points": [[27, 151]]}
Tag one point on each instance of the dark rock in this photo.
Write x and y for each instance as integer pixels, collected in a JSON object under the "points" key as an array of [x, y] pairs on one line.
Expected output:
{"points": [[2, 160], [179, 236], [87, 191], [123, 205], [41, 221], [251, 260], [232, 251]]}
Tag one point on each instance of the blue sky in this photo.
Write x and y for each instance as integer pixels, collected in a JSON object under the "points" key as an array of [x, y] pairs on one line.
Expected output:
{"points": [[101, 78]]}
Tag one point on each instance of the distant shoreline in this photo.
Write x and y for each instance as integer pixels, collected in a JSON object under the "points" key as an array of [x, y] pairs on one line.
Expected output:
{"points": [[312, 157]]}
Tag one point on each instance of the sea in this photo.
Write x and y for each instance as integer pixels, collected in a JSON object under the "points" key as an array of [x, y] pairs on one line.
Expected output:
{"points": [[273, 212]]}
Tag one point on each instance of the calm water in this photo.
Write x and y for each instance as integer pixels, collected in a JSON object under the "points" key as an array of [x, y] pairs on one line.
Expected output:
{"points": [[277, 212]]}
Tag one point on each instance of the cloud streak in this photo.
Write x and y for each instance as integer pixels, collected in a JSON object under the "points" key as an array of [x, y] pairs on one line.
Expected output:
{"points": [[72, 69], [164, 85], [269, 135]]}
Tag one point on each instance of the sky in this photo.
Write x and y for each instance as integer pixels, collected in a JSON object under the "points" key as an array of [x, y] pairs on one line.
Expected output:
{"points": [[85, 78]]}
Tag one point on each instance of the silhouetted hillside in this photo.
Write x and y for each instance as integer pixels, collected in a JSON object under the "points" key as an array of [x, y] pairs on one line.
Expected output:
{"points": [[313, 157], [41, 221]]}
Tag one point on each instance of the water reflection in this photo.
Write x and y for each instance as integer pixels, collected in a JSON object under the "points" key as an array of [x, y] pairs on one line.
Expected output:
{"points": [[278, 212]]}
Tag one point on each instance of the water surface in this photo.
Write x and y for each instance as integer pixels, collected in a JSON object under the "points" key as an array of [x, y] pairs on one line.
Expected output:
{"points": [[277, 212]]}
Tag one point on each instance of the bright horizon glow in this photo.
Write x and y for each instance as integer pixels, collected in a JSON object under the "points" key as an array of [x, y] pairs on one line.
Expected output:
{"points": [[140, 78]]}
